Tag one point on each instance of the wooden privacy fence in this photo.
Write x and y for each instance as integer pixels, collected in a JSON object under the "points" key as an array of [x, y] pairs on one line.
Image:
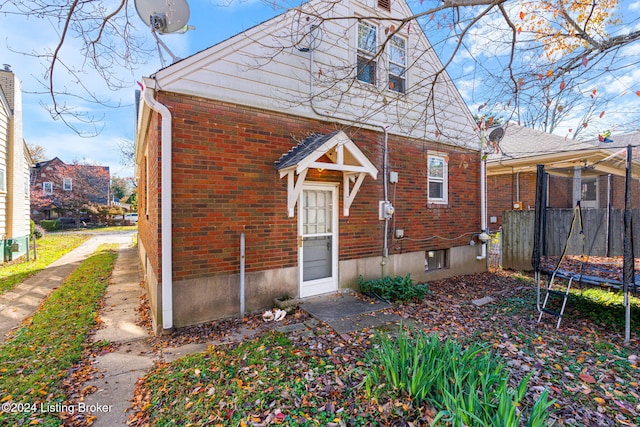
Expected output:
{"points": [[603, 234]]}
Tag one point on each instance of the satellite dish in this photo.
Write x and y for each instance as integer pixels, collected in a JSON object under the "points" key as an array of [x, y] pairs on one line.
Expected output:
{"points": [[496, 135], [164, 16]]}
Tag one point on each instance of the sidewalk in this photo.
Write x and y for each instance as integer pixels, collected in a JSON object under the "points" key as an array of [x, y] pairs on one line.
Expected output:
{"points": [[119, 370], [23, 300]]}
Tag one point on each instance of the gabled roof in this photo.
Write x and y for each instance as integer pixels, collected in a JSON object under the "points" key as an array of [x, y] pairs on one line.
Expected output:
{"points": [[522, 149], [266, 67], [343, 155], [304, 149]]}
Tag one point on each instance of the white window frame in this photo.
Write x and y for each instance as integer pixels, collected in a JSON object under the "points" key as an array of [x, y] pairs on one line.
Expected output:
{"points": [[3, 180], [365, 55], [444, 179], [67, 184], [46, 191], [395, 65], [584, 183]]}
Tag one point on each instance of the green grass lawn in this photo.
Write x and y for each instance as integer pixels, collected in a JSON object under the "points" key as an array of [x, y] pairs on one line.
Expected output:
{"points": [[49, 248], [41, 354]]}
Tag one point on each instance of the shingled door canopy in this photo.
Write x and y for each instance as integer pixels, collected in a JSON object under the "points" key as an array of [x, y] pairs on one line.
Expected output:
{"points": [[345, 156]]}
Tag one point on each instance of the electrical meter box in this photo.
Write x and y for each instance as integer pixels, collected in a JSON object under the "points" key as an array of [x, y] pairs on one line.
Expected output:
{"points": [[386, 210]]}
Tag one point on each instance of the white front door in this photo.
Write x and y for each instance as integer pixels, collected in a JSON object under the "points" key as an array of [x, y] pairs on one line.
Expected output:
{"points": [[318, 239]]}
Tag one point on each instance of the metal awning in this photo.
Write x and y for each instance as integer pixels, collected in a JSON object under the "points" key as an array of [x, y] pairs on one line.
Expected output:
{"points": [[345, 157]]}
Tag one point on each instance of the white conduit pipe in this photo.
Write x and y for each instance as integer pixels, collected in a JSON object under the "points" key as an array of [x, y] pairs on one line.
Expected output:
{"points": [[483, 208], [165, 207]]}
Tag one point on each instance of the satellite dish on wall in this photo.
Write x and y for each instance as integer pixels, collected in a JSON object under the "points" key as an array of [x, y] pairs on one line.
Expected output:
{"points": [[164, 16]]}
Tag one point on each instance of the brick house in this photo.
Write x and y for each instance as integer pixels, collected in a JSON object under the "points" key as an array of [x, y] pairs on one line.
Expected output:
{"points": [[59, 189], [590, 171], [15, 162], [352, 171]]}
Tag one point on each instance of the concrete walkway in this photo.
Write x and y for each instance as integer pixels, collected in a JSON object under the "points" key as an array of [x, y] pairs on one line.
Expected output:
{"points": [[23, 300], [119, 371]]}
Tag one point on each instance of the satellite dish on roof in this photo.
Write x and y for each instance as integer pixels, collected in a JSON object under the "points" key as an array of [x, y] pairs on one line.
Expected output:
{"points": [[496, 135], [164, 16]]}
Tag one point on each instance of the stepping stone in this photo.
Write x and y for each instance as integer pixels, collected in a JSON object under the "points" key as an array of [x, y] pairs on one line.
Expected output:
{"points": [[482, 301]]}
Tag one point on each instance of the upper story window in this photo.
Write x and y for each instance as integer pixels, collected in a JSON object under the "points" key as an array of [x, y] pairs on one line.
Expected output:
{"points": [[67, 184], [437, 175], [397, 63], [367, 49], [47, 187], [384, 4]]}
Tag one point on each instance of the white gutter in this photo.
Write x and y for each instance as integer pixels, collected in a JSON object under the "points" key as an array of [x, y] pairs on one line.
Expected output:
{"points": [[484, 236], [165, 206]]}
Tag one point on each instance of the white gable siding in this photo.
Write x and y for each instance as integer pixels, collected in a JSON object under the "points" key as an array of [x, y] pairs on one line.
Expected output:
{"points": [[261, 67]]}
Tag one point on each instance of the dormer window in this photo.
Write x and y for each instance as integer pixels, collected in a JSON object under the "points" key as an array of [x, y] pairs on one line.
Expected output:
{"points": [[397, 64], [385, 4], [367, 49]]}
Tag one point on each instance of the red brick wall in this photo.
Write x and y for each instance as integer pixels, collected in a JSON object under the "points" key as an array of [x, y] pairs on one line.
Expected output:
{"points": [[149, 215], [225, 183], [503, 192]]}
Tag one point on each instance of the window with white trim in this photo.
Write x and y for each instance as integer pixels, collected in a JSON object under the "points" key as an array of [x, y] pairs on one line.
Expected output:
{"points": [[397, 63], [67, 184], [3, 180], [589, 192], [437, 174], [47, 187], [367, 49]]}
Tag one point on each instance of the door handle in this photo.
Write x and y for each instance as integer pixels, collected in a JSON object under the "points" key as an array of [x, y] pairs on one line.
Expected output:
{"points": [[300, 241]]}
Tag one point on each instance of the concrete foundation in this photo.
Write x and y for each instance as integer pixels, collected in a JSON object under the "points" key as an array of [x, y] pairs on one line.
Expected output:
{"points": [[209, 298]]}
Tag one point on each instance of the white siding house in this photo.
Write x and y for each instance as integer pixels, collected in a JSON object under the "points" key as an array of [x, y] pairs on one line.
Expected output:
{"points": [[14, 170]]}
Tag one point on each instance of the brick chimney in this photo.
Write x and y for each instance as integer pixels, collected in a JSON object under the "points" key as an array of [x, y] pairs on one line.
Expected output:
{"points": [[7, 84]]}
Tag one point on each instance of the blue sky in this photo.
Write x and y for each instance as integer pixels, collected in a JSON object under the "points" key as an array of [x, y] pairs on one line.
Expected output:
{"points": [[215, 20]]}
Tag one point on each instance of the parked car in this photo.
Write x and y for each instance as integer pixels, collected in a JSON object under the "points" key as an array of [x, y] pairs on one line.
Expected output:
{"points": [[131, 218]]}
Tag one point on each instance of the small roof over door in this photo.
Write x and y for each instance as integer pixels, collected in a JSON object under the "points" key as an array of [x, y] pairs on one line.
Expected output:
{"points": [[345, 156]]}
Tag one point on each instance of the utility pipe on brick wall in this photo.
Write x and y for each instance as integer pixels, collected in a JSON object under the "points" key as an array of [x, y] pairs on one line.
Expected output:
{"points": [[165, 206], [385, 155]]}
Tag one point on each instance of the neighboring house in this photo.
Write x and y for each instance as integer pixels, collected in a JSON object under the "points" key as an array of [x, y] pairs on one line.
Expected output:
{"points": [[590, 171], [59, 189], [14, 170], [327, 178]]}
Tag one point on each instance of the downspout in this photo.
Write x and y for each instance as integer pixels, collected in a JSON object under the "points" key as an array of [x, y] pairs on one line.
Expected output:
{"points": [[483, 236], [385, 157], [165, 207]]}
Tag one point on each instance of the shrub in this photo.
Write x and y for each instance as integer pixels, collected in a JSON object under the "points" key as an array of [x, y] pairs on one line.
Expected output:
{"points": [[50, 224], [399, 288], [467, 386], [36, 230]]}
